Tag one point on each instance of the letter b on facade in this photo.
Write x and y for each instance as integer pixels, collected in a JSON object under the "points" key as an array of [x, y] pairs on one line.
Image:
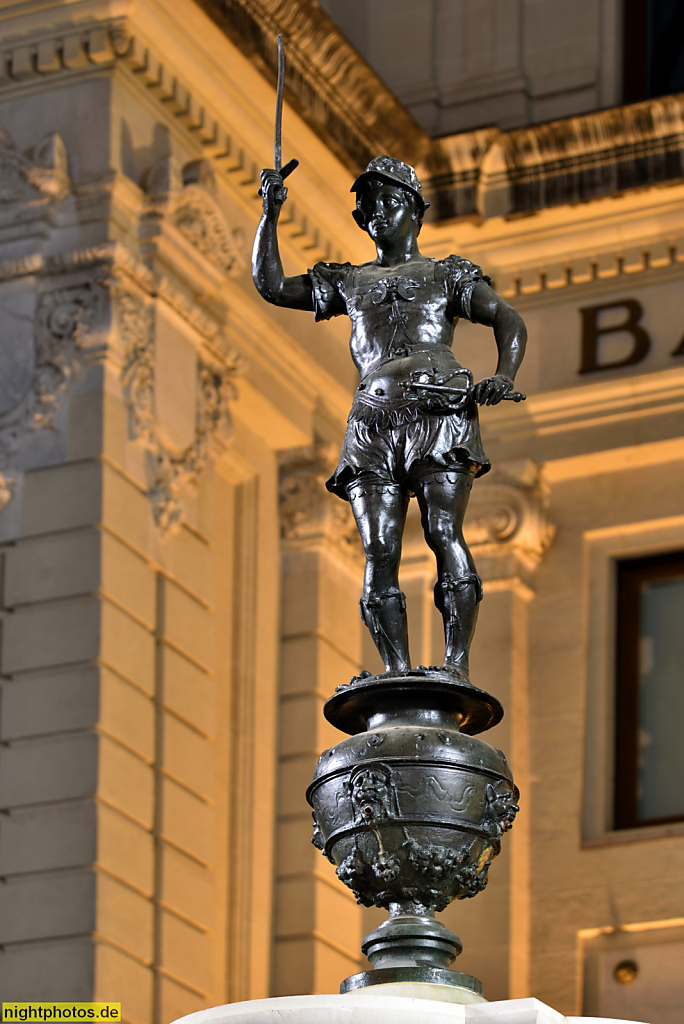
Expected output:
{"points": [[592, 333]]}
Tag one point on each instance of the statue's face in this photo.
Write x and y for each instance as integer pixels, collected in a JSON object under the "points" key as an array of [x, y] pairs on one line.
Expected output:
{"points": [[388, 212]]}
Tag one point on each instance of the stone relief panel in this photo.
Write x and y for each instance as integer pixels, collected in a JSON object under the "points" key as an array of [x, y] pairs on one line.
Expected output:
{"points": [[508, 512], [46, 342], [43, 345], [174, 463], [186, 198], [62, 311], [307, 511], [40, 173]]}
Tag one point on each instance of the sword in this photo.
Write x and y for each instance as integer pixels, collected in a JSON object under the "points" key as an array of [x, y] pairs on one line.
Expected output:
{"points": [[418, 390], [278, 141]]}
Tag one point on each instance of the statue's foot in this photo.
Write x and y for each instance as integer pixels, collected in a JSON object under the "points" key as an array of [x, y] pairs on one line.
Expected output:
{"points": [[399, 670], [389, 673], [457, 672]]}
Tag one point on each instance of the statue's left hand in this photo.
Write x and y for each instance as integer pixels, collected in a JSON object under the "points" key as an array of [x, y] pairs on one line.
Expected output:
{"points": [[491, 390]]}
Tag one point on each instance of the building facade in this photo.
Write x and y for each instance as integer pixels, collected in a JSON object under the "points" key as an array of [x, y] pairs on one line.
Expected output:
{"points": [[179, 593]]}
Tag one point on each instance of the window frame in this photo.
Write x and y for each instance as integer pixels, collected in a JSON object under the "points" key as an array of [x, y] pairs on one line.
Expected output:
{"points": [[631, 574]]}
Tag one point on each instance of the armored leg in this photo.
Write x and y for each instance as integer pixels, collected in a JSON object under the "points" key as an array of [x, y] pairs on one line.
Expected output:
{"points": [[379, 509], [457, 598], [443, 499], [385, 617]]}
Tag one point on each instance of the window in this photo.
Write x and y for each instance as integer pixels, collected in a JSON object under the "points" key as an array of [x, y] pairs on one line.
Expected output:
{"points": [[650, 691], [653, 48]]}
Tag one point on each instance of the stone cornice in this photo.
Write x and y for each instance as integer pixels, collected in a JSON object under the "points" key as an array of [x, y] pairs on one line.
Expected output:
{"points": [[111, 44], [492, 173], [549, 280], [484, 173], [326, 80]]}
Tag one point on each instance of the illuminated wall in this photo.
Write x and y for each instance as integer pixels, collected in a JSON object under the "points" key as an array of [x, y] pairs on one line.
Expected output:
{"points": [[179, 594]]}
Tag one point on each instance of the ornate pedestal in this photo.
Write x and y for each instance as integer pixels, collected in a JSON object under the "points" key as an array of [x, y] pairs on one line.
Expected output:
{"points": [[411, 809]]}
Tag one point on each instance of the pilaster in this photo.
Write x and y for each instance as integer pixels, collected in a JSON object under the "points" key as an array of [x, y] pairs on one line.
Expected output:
{"points": [[317, 925], [144, 395]]}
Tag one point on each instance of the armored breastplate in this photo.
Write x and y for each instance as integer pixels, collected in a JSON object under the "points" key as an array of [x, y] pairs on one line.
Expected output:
{"points": [[398, 312]]}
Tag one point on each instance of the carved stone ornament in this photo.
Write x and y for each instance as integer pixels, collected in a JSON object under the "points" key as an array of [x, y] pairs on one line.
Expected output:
{"points": [[40, 173], [171, 469], [307, 511], [509, 512], [187, 199], [38, 358]]}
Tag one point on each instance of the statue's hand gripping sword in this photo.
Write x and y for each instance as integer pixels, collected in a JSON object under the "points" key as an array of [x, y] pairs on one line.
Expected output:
{"points": [[421, 387], [278, 141]]}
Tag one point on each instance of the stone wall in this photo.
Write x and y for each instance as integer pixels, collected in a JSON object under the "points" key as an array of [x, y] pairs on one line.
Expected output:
{"points": [[458, 65], [179, 595], [146, 394]]}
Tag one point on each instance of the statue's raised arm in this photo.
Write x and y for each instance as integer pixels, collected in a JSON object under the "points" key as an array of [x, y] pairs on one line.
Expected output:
{"points": [[267, 266]]}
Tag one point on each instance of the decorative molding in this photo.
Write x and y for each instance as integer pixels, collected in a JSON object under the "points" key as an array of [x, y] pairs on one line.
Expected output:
{"points": [[509, 514], [494, 173], [485, 172], [65, 318], [72, 325], [170, 470], [21, 266], [116, 256], [354, 111], [326, 80], [598, 267], [308, 512], [41, 173], [187, 200], [113, 255], [110, 43], [181, 304]]}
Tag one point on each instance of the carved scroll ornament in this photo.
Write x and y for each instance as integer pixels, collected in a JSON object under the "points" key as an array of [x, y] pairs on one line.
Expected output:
{"points": [[44, 361], [509, 512], [187, 199], [170, 469]]}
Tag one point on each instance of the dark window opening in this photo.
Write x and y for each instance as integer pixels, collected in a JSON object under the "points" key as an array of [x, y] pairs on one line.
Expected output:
{"points": [[649, 762], [653, 49]]}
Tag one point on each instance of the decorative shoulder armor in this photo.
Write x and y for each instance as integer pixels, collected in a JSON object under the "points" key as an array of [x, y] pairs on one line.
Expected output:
{"points": [[456, 267], [327, 282], [460, 278]]}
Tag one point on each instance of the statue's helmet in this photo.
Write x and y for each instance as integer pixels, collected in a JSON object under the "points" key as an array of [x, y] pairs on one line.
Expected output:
{"points": [[395, 172]]}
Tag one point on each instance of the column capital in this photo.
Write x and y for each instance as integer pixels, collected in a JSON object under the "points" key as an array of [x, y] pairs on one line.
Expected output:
{"points": [[508, 527], [309, 514]]}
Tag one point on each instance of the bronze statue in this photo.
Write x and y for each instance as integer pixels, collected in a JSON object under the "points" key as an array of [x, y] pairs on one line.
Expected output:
{"points": [[413, 427], [379, 796]]}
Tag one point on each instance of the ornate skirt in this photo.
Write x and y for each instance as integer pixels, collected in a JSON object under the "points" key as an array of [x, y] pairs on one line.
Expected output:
{"points": [[393, 442]]}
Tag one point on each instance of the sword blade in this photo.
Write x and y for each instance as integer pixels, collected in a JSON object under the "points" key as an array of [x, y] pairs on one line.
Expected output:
{"points": [[278, 145]]}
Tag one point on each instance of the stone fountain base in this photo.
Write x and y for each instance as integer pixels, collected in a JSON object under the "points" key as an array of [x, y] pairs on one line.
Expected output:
{"points": [[388, 1004]]}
